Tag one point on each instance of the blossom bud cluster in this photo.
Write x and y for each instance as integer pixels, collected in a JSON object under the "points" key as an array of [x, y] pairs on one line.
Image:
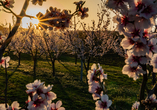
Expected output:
{"points": [[54, 18], [82, 11], [8, 3], [150, 101], [39, 98], [96, 87], [134, 20]]}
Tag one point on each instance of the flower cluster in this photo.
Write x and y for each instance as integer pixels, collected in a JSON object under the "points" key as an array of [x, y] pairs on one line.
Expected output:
{"points": [[40, 2], [96, 87], [4, 62], [150, 102], [134, 22], [54, 18], [39, 98], [9, 3], [14, 106], [82, 11], [60, 19], [39, 95], [135, 106]]}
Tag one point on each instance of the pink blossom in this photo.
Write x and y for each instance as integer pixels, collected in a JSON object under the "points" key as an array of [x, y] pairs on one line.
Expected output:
{"points": [[32, 87], [154, 62], [140, 49], [152, 45], [135, 106], [4, 62], [37, 103], [133, 72], [134, 61], [14, 106], [127, 43], [9, 3], [56, 106], [96, 90], [103, 104], [49, 95]]}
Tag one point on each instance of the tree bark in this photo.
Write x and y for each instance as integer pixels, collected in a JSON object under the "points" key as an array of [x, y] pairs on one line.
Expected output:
{"points": [[143, 87], [53, 67], [75, 58], [19, 59], [81, 68]]}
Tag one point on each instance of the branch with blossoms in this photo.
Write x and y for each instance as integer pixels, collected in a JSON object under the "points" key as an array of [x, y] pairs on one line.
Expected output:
{"points": [[97, 87], [135, 20]]}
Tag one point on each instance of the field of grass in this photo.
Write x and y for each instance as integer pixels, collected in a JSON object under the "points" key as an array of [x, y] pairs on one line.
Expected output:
{"points": [[123, 91]]}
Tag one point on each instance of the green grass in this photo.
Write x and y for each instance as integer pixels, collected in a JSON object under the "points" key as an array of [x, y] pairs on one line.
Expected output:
{"points": [[123, 91]]}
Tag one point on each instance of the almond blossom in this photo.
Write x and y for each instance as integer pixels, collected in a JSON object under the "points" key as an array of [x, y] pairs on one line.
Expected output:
{"points": [[37, 103], [152, 45], [135, 106], [56, 106], [152, 98], [14, 106], [4, 62], [32, 87], [133, 72], [104, 103], [95, 74], [9, 3], [83, 12], [2, 107], [127, 43], [154, 62], [40, 2], [134, 61], [49, 95], [96, 90]]}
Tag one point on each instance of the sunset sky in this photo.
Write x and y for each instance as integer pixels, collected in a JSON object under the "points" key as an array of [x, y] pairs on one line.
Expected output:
{"points": [[61, 4]]}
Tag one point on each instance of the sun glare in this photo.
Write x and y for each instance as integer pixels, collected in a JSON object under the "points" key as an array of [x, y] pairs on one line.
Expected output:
{"points": [[27, 21], [32, 12], [34, 21]]}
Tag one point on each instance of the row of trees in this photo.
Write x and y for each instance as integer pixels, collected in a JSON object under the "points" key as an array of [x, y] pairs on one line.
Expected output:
{"points": [[51, 44]]}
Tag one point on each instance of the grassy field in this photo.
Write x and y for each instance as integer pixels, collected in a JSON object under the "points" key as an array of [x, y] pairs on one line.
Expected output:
{"points": [[123, 91]]}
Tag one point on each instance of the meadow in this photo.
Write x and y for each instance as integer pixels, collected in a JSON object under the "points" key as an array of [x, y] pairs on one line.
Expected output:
{"points": [[122, 90]]}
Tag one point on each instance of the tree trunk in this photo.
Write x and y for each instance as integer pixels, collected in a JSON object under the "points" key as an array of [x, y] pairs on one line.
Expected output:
{"points": [[81, 68], [19, 59], [88, 62], [53, 67], [143, 87], [34, 67], [75, 58], [6, 84]]}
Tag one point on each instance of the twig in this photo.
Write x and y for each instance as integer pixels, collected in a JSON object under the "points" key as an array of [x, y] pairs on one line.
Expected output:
{"points": [[6, 83]]}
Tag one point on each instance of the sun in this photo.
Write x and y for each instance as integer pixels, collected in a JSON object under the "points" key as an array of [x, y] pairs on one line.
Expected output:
{"points": [[34, 21], [27, 21]]}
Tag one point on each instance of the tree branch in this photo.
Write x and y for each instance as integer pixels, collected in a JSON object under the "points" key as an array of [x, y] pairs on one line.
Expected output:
{"points": [[13, 31]]}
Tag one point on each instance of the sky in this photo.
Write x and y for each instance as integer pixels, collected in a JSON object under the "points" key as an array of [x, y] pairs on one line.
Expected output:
{"points": [[61, 4]]}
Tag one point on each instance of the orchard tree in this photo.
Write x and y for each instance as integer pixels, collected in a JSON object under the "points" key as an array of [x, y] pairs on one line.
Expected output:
{"points": [[32, 45], [54, 46]]}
